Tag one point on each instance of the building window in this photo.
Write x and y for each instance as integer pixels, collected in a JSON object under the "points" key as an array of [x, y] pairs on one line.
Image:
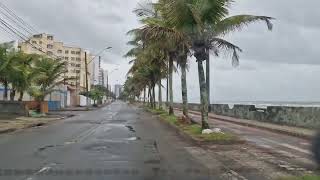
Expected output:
{"points": [[34, 42], [77, 71], [73, 58], [37, 36], [78, 59], [78, 52], [50, 38], [49, 53], [78, 65], [66, 58], [66, 52], [73, 52], [59, 51], [49, 46]]}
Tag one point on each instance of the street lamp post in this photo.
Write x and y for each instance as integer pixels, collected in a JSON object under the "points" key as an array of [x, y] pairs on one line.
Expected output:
{"points": [[86, 69]]}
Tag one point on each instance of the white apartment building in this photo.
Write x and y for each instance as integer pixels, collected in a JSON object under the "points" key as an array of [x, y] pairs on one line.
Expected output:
{"points": [[74, 56]]}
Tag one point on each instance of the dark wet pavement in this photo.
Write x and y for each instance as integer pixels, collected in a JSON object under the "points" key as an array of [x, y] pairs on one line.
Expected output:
{"points": [[115, 142]]}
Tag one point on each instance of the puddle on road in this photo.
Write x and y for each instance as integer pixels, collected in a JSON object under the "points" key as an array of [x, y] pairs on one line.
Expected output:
{"points": [[133, 138]]}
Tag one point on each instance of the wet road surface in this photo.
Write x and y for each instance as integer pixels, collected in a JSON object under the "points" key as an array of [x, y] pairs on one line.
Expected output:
{"points": [[115, 142], [297, 150]]}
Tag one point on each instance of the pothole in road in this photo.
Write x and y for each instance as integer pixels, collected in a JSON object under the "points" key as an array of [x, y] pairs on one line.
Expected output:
{"points": [[48, 147], [130, 128], [116, 121]]}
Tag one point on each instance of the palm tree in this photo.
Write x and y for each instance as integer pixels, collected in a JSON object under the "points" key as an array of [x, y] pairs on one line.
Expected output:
{"points": [[21, 73], [205, 22], [175, 46], [151, 56], [49, 75]]}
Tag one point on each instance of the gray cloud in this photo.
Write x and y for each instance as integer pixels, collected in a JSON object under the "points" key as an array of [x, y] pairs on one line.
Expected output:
{"points": [[278, 65]]}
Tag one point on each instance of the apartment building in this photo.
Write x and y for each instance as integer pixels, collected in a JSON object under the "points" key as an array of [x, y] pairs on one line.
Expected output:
{"points": [[45, 44]]}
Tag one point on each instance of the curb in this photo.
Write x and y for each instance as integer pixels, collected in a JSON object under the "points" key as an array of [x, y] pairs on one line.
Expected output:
{"points": [[290, 133], [7, 130]]}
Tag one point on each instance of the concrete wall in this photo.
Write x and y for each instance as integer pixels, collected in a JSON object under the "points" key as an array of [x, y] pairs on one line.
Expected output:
{"points": [[9, 107], [308, 117]]}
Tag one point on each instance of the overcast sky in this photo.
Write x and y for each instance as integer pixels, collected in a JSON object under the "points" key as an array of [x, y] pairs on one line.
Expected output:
{"points": [[281, 65]]}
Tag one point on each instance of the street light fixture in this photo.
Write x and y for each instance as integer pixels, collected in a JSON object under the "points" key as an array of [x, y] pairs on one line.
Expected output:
{"points": [[94, 57]]}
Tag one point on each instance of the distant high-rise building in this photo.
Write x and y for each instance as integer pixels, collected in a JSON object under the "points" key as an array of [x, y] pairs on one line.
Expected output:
{"points": [[117, 90]]}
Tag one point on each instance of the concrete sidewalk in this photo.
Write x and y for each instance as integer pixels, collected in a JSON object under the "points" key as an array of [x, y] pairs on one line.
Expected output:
{"points": [[289, 130], [7, 126]]}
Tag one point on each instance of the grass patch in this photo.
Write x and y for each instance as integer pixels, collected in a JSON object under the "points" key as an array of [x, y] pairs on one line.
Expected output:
{"points": [[170, 119], [193, 130], [196, 131], [309, 177]]}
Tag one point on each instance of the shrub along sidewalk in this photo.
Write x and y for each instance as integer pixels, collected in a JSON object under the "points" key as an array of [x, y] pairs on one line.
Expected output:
{"points": [[194, 132]]}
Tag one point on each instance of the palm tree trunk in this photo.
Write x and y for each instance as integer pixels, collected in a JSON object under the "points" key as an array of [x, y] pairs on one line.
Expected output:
{"points": [[154, 96], [170, 86], [208, 77], [204, 96], [12, 94], [5, 93], [167, 97], [144, 95], [21, 96], [184, 89], [160, 95], [149, 96]]}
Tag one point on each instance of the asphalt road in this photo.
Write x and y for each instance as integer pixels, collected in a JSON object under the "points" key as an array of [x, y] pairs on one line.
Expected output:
{"points": [[115, 142], [289, 148]]}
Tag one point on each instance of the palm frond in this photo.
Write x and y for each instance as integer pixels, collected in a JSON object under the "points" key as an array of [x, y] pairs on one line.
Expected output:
{"points": [[237, 22], [227, 47]]}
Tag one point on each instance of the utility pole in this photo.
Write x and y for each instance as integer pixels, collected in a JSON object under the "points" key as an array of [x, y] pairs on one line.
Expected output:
{"points": [[87, 83]]}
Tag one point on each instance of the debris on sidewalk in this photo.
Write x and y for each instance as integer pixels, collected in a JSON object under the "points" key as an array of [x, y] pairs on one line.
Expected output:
{"points": [[207, 131]]}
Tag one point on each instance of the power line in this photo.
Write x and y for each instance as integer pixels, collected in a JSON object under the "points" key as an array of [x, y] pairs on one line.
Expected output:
{"points": [[15, 22], [25, 26], [8, 32], [17, 17], [20, 35]]}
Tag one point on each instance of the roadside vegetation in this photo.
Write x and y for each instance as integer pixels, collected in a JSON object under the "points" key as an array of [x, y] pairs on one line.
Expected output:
{"points": [[173, 31], [36, 74], [97, 93], [194, 130]]}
